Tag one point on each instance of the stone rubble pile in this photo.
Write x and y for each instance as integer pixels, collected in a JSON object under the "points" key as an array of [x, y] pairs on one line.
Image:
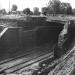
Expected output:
{"points": [[66, 66]]}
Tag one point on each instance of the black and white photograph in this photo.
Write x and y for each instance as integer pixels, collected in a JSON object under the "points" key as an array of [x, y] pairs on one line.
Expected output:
{"points": [[37, 37]]}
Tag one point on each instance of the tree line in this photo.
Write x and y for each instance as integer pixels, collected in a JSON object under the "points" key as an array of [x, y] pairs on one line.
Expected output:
{"points": [[54, 7]]}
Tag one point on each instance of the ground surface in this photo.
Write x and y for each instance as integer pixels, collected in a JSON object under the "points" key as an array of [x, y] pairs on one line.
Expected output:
{"points": [[66, 65]]}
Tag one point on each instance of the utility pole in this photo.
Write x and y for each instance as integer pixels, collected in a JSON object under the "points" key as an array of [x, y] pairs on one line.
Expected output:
{"points": [[9, 6]]}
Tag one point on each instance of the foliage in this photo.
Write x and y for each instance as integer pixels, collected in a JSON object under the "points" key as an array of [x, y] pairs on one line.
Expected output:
{"points": [[58, 7], [36, 11], [66, 8], [27, 11], [69, 11], [73, 10], [3, 11], [54, 6], [44, 10], [14, 7]]}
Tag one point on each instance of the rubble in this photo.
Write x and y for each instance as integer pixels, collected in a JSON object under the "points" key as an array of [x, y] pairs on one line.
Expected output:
{"points": [[66, 65]]}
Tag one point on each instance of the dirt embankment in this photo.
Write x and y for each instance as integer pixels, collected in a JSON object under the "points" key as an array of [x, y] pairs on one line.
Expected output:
{"points": [[66, 65]]}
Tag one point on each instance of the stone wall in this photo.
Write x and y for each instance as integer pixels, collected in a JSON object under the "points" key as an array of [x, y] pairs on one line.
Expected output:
{"points": [[17, 40]]}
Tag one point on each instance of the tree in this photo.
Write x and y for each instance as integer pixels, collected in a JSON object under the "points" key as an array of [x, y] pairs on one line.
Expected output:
{"points": [[58, 7], [3, 11], [66, 8], [73, 10], [14, 7], [27, 11], [36, 11], [54, 6], [31, 13], [44, 10], [69, 9]]}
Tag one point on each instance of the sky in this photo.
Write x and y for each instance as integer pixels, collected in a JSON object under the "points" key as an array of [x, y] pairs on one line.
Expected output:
{"points": [[29, 3]]}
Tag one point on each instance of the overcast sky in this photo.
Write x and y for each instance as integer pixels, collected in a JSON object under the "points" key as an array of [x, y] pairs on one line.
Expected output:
{"points": [[29, 3]]}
